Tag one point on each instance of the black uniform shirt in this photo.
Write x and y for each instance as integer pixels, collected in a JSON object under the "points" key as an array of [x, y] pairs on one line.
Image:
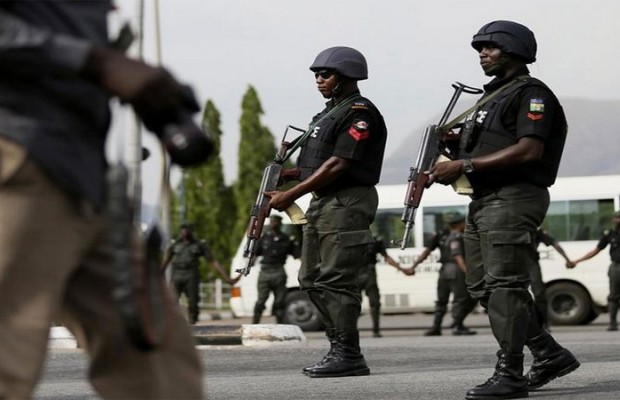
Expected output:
{"points": [[374, 248], [611, 237], [439, 241], [531, 110], [186, 254], [275, 248], [357, 134]]}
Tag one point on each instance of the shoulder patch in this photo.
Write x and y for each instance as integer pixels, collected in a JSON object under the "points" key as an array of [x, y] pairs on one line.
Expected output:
{"points": [[359, 130]]}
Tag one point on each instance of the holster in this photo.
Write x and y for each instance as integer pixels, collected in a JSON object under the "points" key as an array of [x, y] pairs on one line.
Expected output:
{"points": [[139, 286]]}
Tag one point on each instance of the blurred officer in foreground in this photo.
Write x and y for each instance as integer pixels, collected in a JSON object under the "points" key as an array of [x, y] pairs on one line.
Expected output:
{"points": [[274, 246], [368, 280], [510, 150], [58, 73], [451, 277], [340, 164], [609, 237], [538, 286], [184, 255]]}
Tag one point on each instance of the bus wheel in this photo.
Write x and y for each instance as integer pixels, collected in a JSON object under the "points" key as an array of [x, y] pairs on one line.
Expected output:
{"points": [[568, 303], [301, 312]]}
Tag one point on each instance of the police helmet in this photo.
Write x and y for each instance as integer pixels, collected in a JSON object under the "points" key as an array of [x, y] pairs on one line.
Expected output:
{"points": [[187, 225], [511, 37], [346, 60]]}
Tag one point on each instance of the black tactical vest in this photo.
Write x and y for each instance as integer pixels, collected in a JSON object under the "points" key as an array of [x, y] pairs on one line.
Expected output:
{"points": [[485, 133]]}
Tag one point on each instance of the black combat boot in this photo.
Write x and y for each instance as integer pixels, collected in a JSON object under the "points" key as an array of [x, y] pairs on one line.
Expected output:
{"points": [[550, 361], [332, 337], [507, 381], [436, 328], [613, 315], [346, 359]]}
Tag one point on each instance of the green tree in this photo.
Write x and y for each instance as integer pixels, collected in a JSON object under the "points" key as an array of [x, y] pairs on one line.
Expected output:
{"points": [[202, 197], [256, 149]]}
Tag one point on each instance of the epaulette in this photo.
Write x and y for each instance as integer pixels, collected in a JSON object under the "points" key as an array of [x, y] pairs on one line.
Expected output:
{"points": [[359, 105]]}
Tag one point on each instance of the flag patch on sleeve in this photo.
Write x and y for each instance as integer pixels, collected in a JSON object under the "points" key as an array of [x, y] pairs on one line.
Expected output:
{"points": [[537, 105], [359, 130]]}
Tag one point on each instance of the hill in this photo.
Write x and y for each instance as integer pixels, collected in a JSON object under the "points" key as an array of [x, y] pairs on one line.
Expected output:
{"points": [[592, 146]]}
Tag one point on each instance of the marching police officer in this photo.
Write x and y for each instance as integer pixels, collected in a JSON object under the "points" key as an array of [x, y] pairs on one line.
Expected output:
{"points": [[510, 150], [340, 164], [610, 237], [451, 277], [184, 254], [368, 280], [274, 246]]}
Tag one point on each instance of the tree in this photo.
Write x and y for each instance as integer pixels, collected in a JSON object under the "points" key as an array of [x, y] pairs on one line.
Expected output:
{"points": [[256, 149], [203, 196]]}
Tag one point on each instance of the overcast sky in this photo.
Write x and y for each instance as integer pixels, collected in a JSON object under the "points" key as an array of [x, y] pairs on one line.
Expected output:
{"points": [[415, 50]]}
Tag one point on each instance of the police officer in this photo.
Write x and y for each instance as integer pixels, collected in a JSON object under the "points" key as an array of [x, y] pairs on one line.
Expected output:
{"points": [[340, 164], [610, 237], [451, 277], [510, 150], [368, 280], [184, 254], [274, 246], [537, 285], [58, 74]]}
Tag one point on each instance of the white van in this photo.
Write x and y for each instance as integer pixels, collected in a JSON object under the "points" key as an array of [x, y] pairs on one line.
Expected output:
{"points": [[581, 208]]}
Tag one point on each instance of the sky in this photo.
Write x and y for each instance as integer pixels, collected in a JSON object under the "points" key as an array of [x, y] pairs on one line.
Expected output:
{"points": [[415, 50]]}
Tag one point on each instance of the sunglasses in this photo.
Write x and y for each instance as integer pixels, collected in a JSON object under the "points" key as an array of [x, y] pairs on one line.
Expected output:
{"points": [[324, 74]]}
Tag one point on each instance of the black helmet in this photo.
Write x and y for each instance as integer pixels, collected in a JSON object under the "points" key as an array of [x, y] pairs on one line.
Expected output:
{"points": [[511, 37], [346, 60]]}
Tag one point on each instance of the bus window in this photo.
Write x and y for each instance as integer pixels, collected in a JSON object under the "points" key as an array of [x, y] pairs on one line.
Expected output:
{"points": [[578, 219], [434, 220], [389, 226]]}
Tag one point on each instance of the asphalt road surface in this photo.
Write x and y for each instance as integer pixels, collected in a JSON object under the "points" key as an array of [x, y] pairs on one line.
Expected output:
{"points": [[404, 365]]}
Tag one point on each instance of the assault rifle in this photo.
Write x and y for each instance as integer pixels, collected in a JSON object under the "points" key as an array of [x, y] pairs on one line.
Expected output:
{"points": [[272, 176], [435, 144]]}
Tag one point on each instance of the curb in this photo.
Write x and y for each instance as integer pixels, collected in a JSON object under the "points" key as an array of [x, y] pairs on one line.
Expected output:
{"points": [[250, 335], [214, 335]]}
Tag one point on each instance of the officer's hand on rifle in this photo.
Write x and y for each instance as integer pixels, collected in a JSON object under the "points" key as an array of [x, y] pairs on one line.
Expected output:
{"points": [[288, 175], [280, 200], [445, 172]]}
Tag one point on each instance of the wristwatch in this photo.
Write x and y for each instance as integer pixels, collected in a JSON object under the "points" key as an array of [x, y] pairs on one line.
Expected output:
{"points": [[468, 167]]}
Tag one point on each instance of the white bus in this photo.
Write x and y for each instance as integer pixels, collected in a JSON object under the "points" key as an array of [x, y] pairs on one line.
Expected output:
{"points": [[581, 208]]}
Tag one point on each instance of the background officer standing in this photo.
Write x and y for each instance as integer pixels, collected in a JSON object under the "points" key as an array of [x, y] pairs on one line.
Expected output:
{"points": [[340, 163], [610, 237], [539, 290], [510, 150], [451, 277], [368, 280], [184, 254], [274, 246]]}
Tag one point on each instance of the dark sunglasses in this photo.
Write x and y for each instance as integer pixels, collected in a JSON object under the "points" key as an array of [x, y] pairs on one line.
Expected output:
{"points": [[325, 74]]}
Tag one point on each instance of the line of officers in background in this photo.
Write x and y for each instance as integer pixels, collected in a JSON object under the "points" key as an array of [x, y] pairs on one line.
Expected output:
{"points": [[275, 246]]}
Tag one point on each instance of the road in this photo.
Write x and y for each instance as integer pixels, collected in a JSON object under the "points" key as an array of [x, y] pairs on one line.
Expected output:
{"points": [[404, 365]]}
